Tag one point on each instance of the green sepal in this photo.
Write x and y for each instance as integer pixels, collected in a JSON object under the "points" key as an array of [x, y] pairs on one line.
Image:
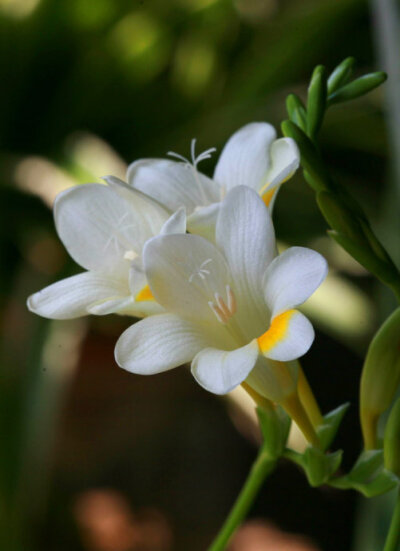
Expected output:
{"points": [[368, 476], [317, 465], [357, 88], [327, 431], [341, 74], [311, 162], [316, 101], [296, 111], [275, 426]]}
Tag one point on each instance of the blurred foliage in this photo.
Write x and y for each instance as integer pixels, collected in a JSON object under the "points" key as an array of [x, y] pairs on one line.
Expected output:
{"points": [[86, 86]]}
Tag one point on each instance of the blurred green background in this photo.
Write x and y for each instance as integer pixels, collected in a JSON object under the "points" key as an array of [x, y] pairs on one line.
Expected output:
{"points": [[93, 458]]}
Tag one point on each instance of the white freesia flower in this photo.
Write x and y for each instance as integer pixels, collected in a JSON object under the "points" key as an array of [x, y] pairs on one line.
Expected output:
{"points": [[230, 306], [104, 229], [252, 157]]}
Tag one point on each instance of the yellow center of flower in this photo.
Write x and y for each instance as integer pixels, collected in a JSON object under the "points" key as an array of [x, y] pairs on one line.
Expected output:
{"points": [[144, 294], [267, 196], [276, 333]]}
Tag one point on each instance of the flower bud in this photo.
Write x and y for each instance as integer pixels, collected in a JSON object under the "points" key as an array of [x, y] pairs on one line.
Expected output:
{"points": [[380, 377], [318, 178], [358, 87], [391, 443], [339, 217], [296, 111], [316, 102], [341, 75]]}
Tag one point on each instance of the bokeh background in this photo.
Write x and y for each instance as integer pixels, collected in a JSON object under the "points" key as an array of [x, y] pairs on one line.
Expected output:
{"points": [[93, 458]]}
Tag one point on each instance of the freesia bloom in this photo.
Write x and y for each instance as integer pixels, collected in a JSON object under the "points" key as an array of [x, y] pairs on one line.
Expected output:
{"points": [[104, 229], [230, 307], [252, 157]]}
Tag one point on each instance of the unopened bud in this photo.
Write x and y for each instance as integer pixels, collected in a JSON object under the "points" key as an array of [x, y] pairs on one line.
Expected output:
{"points": [[341, 75], [316, 102], [380, 377], [391, 443], [358, 87]]}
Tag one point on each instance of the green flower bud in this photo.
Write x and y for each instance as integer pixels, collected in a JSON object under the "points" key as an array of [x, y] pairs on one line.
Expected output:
{"points": [[366, 257], [341, 75], [316, 102], [317, 176], [296, 111], [391, 443], [339, 217], [357, 88], [380, 377]]}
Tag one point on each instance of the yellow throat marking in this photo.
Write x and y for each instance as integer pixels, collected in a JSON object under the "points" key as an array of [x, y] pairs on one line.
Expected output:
{"points": [[277, 331], [144, 294]]}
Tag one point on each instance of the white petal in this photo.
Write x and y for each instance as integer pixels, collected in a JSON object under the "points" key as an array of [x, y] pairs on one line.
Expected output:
{"points": [[157, 344], [72, 297], [245, 160], [184, 272], [220, 371], [111, 306], [175, 223], [285, 160], [152, 215], [173, 184], [289, 336], [246, 235], [98, 227], [272, 379], [292, 277], [203, 221]]}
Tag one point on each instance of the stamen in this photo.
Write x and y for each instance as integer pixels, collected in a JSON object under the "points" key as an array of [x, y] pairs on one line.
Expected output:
{"points": [[232, 305], [218, 312], [222, 311], [195, 160], [221, 304], [178, 156]]}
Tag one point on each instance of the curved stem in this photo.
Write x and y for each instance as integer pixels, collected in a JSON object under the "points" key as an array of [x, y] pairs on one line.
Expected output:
{"points": [[393, 538], [262, 467]]}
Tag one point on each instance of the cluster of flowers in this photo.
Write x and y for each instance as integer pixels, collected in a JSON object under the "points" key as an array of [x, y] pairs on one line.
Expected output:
{"points": [[218, 297]]}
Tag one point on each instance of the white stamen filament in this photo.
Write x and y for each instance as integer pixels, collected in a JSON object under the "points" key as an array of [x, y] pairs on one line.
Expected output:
{"points": [[193, 165], [223, 311]]}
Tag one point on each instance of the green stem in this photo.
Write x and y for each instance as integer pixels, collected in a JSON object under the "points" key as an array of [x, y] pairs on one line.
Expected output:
{"points": [[262, 467], [393, 538]]}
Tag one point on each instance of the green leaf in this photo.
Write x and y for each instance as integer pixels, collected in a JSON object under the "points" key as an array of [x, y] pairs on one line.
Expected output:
{"points": [[341, 75], [327, 431], [316, 102], [357, 88]]}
